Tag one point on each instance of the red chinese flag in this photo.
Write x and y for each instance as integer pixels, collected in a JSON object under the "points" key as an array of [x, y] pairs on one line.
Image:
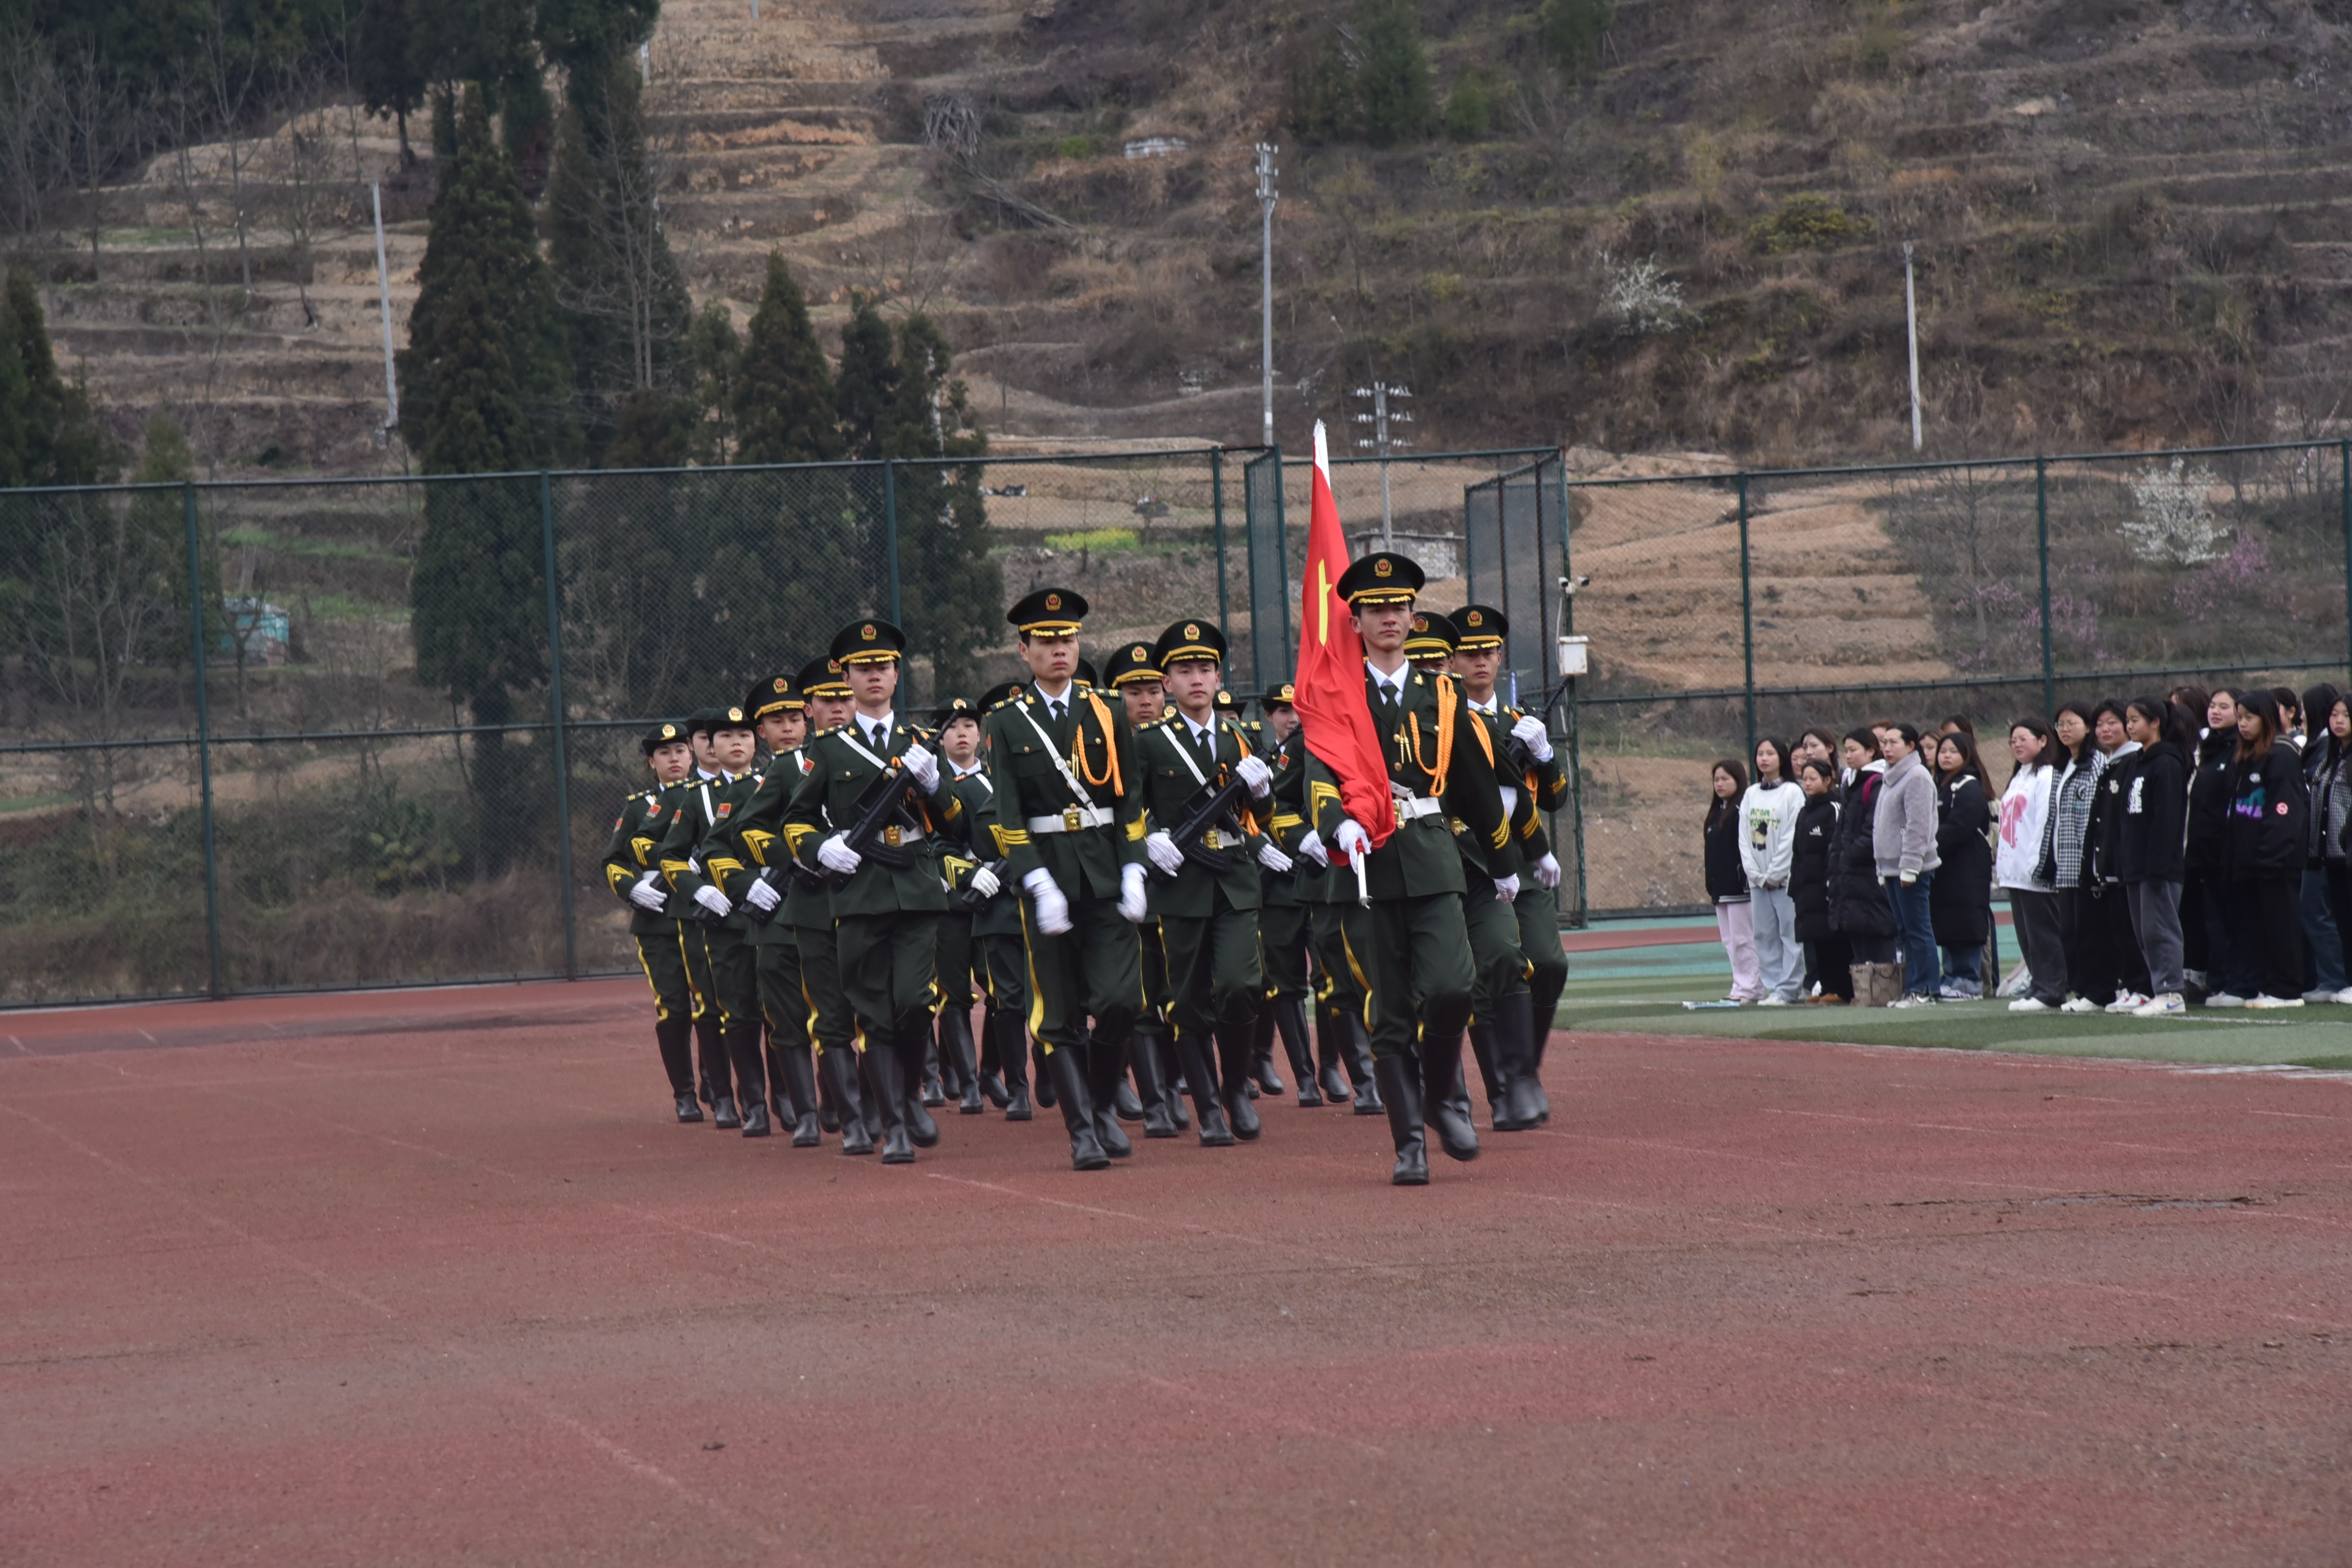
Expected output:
{"points": [[1332, 711]]}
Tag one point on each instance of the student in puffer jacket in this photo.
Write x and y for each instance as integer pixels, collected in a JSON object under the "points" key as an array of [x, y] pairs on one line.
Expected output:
{"points": [[2263, 849]]}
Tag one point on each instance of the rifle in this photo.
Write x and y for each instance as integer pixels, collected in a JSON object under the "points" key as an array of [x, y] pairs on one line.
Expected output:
{"points": [[1219, 807], [971, 898], [871, 817], [780, 877]]}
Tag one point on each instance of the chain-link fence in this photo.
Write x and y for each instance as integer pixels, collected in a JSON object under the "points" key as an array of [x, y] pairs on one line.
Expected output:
{"points": [[281, 735]]}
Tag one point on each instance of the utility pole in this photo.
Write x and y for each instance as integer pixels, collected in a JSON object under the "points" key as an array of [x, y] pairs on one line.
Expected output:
{"points": [[1265, 200], [384, 306], [1383, 442], [1911, 320]]}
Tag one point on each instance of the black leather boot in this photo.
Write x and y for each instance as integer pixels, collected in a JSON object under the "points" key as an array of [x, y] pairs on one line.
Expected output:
{"points": [[1077, 1115], [1515, 1060], [710, 1051], [1012, 1050], [1290, 1023], [674, 1037], [1441, 1071], [1233, 1058], [1150, 1073], [1048, 1090], [1401, 1095], [1126, 1103], [1359, 1067], [828, 1101], [869, 1096], [755, 1121], [956, 1053], [723, 1115], [840, 1065], [1105, 1075], [1215, 1132], [1490, 1074], [745, 1053], [886, 1074], [927, 1065], [992, 1066], [1331, 1043], [800, 1079], [1261, 1061], [1539, 1036], [914, 1043], [688, 1108]]}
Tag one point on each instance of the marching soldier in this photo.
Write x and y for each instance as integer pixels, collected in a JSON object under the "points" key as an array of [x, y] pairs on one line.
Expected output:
{"points": [[885, 916], [1262, 1079], [1415, 962], [630, 871], [697, 859], [1000, 956], [1135, 675], [1534, 782], [958, 741], [1070, 819], [1282, 916], [1207, 912], [763, 892], [710, 1049], [808, 908]]}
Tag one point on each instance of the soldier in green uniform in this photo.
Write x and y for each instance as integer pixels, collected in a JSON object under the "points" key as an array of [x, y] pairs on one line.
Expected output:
{"points": [[698, 859], [1070, 819], [1000, 955], [959, 743], [1263, 1078], [710, 1051], [885, 918], [1208, 914], [1133, 670], [1282, 918], [1330, 897], [1534, 782], [636, 879], [1416, 962], [762, 893], [808, 910]]}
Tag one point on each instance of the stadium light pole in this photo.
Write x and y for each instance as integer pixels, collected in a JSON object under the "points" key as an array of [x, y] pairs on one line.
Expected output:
{"points": [[1384, 443], [1265, 200], [1911, 323], [384, 307]]}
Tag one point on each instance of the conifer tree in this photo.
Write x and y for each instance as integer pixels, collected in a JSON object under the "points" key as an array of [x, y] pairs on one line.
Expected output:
{"points": [[784, 410], [1393, 85]]}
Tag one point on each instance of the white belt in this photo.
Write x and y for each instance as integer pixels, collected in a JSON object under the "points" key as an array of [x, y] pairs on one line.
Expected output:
{"points": [[1072, 820], [1412, 807], [896, 833]]}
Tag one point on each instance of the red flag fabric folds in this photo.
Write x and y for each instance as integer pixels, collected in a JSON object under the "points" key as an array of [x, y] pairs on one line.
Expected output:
{"points": [[1332, 711]]}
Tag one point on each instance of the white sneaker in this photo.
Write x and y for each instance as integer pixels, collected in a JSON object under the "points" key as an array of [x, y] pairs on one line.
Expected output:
{"points": [[2321, 993], [2268, 1001], [2343, 995], [2167, 1006], [1774, 1001], [2223, 999], [2078, 1005], [2031, 1005], [2127, 1002], [1916, 999]]}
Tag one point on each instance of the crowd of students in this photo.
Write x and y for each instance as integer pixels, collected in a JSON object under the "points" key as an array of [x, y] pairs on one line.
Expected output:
{"points": [[2155, 854]]}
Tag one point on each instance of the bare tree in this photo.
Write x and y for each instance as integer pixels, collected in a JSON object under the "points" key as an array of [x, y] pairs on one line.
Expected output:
{"points": [[93, 127], [28, 113], [229, 81], [303, 155]]}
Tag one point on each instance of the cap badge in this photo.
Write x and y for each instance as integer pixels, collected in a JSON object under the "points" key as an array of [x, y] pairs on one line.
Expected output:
{"points": [[1477, 619], [1383, 568], [1191, 633], [866, 632], [780, 683], [669, 732], [736, 714]]}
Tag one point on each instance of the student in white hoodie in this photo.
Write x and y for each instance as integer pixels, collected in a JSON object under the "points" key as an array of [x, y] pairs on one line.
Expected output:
{"points": [[1768, 816], [2020, 866]]}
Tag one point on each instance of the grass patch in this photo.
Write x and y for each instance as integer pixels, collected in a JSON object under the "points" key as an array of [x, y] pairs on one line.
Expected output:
{"points": [[1101, 540], [324, 549]]}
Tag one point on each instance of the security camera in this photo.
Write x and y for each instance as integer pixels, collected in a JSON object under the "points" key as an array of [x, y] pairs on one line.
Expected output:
{"points": [[1570, 584]]}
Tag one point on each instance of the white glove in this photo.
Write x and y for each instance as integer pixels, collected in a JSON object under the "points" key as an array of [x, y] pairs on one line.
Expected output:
{"points": [[922, 767], [1270, 856], [1131, 900], [835, 854], [645, 895], [762, 896], [1529, 732], [1548, 871], [712, 898], [1257, 774], [1311, 846], [1164, 853], [1350, 839], [1507, 888], [985, 882], [1053, 910]]}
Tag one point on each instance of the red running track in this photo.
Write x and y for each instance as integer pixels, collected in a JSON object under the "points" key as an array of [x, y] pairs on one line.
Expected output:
{"points": [[431, 1277]]}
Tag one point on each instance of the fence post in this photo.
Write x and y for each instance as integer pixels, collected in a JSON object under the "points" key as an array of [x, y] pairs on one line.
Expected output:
{"points": [[1747, 617], [891, 529], [555, 704], [213, 985], [2344, 497], [2041, 533], [1217, 505], [1575, 714]]}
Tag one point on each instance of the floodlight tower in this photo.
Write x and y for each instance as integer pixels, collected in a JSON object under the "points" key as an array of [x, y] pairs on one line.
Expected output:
{"points": [[1265, 200], [1384, 443]]}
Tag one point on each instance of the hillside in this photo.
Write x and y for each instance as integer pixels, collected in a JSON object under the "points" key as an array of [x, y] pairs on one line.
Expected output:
{"points": [[2131, 215]]}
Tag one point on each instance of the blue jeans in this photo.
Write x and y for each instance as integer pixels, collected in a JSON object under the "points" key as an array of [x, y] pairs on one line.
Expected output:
{"points": [[1964, 966], [1922, 974]]}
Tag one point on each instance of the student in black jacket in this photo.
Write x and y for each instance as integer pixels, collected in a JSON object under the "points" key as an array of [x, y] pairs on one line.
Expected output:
{"points": [[1827, 955], [2124, 975], [2217, 958], [2151, 853], [1960, 905], [2331, 816], [2263, 849], [1858, 907]]}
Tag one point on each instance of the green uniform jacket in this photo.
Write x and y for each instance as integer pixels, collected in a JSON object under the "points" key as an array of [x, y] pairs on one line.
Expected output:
{"points": [[1286, 822], [1094, 742], [999, 916], [826, 803], [696, 848], [1170, 791], [1543, 787], [755, 827], [1420, 857], [636, 834]]}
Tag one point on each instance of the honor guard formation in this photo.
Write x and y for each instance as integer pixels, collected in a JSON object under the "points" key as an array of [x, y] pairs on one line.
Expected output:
{"points": [[1140, 887]]}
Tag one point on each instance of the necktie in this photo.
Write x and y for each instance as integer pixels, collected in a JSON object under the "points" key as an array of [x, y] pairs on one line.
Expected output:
{"points": [[1057, 708], [881, 736], [1205, 743]]}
